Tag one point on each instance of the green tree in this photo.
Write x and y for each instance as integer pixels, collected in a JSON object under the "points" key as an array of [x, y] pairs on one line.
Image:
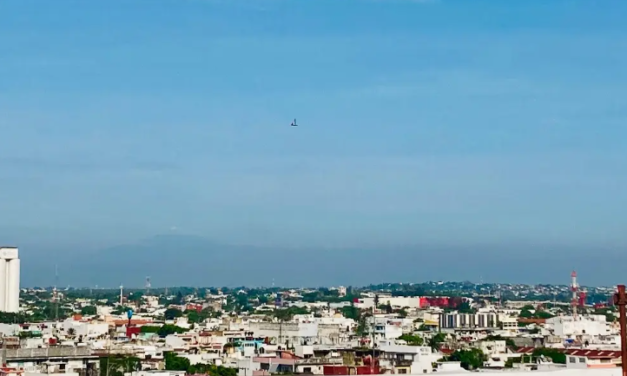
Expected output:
{"points": [[526, 314], [149, 329], [89, 311], [168, 329], [387, 307], [286, 314], [401, 313], [412, 340], [436, 340], [135, 296], [351, 312], [118, 365], [465, 307], [12, 318], [172, 313], [175, 363], [362, 326], [283, 314], [555, 355], [469, 359]]}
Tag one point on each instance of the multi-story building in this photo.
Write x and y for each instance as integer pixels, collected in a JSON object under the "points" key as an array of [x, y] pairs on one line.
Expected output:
{"points": [[402, 359], [9, 279], [456, 320], [569, 326]]}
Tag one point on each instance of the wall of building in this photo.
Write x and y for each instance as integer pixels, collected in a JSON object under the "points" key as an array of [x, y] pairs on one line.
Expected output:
{"points": [[565, 326], [468, 320], [295, 333], [9, 280]]}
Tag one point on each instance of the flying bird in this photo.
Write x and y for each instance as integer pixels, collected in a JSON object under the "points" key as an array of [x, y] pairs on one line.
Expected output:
{"points": [[294, 123]]}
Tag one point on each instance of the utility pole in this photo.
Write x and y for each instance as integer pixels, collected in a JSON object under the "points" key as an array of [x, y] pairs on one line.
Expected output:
{"points": [[374, 325], [108, 355], [280, 330], [620, 299]]}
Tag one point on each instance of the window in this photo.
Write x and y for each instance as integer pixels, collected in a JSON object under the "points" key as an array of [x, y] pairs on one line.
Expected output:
{"points": [[582, 360], [402, 371], [572, 359]]}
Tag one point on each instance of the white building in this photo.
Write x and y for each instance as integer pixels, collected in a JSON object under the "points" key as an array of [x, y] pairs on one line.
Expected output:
{"points": [[568, 326], [300, 333], [9, 280], [385, 327], [393, 301], [456, 320], [412, 360]]}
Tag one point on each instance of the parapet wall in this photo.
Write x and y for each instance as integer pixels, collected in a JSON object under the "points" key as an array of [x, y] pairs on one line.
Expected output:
{"points": [[50, 352]]}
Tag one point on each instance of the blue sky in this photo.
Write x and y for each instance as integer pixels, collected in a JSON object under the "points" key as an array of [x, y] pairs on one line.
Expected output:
{"points": [[434, 122]]}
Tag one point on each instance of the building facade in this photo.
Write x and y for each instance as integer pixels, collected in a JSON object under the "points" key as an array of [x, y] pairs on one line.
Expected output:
{"points": [[9, 279], [469, 320]]}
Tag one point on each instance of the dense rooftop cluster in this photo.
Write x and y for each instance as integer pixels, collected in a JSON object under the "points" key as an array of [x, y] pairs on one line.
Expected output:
{"points": [[387, 328]]}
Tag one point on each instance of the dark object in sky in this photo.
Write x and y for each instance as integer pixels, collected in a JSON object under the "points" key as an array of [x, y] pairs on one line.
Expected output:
{"points": [[294, 123]]}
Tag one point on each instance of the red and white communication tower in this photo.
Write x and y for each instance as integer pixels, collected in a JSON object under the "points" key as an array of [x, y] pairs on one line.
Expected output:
{"points": [[574, 287]]}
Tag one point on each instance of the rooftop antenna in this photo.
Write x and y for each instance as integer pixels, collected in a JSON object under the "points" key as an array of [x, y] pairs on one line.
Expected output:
{"points": [[574, 287], [148, 285]]}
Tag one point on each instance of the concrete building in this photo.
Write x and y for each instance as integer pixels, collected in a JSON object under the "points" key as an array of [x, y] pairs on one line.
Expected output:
{"points": [[393, 301], [385, 327], [458, 320], [78, 361], [411, 360], [9, 279], [301, 333], [569, 326]]}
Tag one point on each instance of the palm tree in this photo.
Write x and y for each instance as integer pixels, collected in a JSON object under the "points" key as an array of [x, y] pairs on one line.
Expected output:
{"points": [[436, 340]]}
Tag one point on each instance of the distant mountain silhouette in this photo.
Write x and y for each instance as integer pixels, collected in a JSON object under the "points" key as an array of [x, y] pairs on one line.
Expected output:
{"points": [[184, 260], [197, 261]]}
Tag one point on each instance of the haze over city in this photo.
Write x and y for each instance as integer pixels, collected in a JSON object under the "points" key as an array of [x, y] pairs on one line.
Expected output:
{"points": [[437, 140]]}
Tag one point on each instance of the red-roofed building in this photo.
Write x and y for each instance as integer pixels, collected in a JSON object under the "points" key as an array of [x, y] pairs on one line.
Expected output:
{"points": [[584, 358]]}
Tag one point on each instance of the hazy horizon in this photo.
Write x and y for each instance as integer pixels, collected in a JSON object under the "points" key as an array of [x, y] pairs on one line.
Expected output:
{"points": [[206, 262], [457, 138]]}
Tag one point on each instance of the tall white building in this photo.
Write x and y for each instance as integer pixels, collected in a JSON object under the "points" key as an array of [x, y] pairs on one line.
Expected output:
{"points": [[9, 279]]}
